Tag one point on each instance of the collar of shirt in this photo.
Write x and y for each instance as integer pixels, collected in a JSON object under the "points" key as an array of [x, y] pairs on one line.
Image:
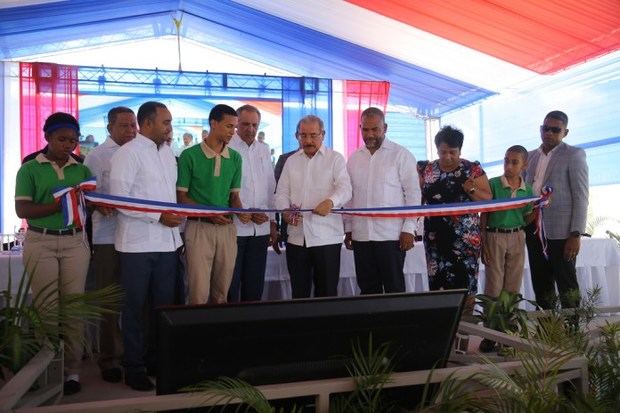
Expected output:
{"points": [[109, 143], [147, 141], [322, 150], [41, 158], [505, 183], [210, 153], [542, 153], [385, 145]]}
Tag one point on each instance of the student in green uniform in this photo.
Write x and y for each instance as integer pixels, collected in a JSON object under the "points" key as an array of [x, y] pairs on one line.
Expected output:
{"points": [[54, 252], [503, 238]]}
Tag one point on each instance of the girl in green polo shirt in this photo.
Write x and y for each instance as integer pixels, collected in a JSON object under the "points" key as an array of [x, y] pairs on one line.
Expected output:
{"points": [[54, 253]]}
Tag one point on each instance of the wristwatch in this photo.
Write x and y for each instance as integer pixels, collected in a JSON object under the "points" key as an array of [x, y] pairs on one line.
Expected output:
{"points": [[575, 234]]}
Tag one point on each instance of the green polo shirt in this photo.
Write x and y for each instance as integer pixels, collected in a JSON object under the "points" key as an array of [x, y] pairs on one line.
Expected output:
{"points": [[38, 178], [209, 177], [514, 217]]}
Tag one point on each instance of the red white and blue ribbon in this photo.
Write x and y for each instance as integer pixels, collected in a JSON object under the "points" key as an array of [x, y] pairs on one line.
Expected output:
{"points": [[69, 201], [142, 205], [545, 194], [73, 204]]}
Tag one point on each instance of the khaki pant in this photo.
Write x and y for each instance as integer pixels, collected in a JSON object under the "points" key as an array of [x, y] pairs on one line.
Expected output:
{"points": [[106, 271], [210, 251], [60, 260], [504, 271]]}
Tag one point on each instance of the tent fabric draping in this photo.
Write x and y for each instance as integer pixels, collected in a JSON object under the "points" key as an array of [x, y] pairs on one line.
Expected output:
{"points": [[359, 95], [45, 88], [574, 31], [232, 27], [301, 97]]}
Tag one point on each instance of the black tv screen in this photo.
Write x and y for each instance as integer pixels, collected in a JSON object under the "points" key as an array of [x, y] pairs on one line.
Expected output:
{"points": [[298, 340]]}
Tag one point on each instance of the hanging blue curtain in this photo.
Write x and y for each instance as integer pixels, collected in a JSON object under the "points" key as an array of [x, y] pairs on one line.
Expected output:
{"points": [[305, 96]]}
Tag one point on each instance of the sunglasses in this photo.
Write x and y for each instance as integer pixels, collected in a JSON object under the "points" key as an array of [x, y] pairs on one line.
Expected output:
{"points": [[553, 129]]}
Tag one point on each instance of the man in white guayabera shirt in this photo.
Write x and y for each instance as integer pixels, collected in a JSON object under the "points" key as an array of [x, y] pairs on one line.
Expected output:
{"points": [[145, 168], [122, 128], [257, 191], [314, 178], [383, 174]]}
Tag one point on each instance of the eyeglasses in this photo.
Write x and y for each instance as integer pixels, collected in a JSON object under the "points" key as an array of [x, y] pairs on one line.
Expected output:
{"points": [[312, 136], [553, 129]]}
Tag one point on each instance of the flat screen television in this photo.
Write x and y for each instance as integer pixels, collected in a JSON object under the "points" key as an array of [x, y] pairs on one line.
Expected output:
{"points": [[298, 340]]}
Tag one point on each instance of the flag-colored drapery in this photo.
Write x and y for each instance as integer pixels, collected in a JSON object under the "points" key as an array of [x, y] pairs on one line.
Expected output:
{"points": [[45, 88], [359, 95]]}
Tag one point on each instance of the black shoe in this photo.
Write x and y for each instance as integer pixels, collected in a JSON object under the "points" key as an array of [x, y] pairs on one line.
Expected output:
{"points": [[71, 387], [151, 371], [112, 375], [139, 381], [486, 346]]}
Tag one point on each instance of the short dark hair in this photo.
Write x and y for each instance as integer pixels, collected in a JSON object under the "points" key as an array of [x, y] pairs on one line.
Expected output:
{"points": [[248, 108], [219, 111], [148, 110], [452, 137], [520, 150], [372, 111], [114, 112], [559, 115], [310, 119], [60, 120]]}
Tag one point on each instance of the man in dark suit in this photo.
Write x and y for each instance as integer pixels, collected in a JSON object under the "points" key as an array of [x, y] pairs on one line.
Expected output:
{"points": [[562, 167]]}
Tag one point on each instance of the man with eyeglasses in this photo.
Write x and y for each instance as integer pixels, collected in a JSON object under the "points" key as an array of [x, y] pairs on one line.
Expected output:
{"points": [[313, 178], [562, 167]]}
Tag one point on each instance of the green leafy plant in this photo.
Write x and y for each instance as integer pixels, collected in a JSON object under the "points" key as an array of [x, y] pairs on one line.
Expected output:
{"points": [[225, 391], [370, 369], [503, 313], [27, 323]]}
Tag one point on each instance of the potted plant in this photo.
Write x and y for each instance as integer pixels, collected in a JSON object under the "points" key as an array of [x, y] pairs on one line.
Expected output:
{"points": [[35, 325], [502, 313]]}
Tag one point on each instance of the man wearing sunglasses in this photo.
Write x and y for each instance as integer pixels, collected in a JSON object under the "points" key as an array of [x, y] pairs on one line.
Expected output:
{"points": [[562, 167]]}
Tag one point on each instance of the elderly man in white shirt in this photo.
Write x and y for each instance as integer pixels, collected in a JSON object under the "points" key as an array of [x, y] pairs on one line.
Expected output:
{"points": [[313, 178], [146, 241], [122, 128], [383, 174], [257, 191]]}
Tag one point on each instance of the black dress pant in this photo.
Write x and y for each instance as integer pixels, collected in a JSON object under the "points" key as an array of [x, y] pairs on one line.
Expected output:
{"points": [[379, 266], [547, 272], [318, 265], [249, 274]]}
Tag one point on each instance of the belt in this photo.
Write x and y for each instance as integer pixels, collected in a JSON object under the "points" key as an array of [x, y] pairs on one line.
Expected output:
{"points": [[504, 230], [68, 231], [200, 219]]}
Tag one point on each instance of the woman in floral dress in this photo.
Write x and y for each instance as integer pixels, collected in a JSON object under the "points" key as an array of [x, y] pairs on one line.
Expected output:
{"points": [[452, 243]]}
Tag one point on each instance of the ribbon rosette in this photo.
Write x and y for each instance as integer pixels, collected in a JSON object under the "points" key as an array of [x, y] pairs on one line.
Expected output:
{"points": [[73, 202]]}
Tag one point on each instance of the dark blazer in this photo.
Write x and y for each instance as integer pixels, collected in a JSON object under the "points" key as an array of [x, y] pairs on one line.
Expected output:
{"points": [[567, 174], [277, 171]]}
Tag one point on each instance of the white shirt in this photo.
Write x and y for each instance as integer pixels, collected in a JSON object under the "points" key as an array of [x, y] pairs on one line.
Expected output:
{"points": [[541, 170], [141, 170], [306, 182], [257, 183], [387, 178], [98, 161]]}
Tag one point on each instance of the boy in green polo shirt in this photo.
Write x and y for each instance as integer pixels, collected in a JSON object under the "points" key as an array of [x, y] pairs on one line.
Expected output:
{"points": [[210, 174], [503, 238]]}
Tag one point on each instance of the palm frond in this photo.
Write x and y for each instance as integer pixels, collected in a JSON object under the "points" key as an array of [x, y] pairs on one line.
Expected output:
{"points": [[27, 323], [227, 391]]}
